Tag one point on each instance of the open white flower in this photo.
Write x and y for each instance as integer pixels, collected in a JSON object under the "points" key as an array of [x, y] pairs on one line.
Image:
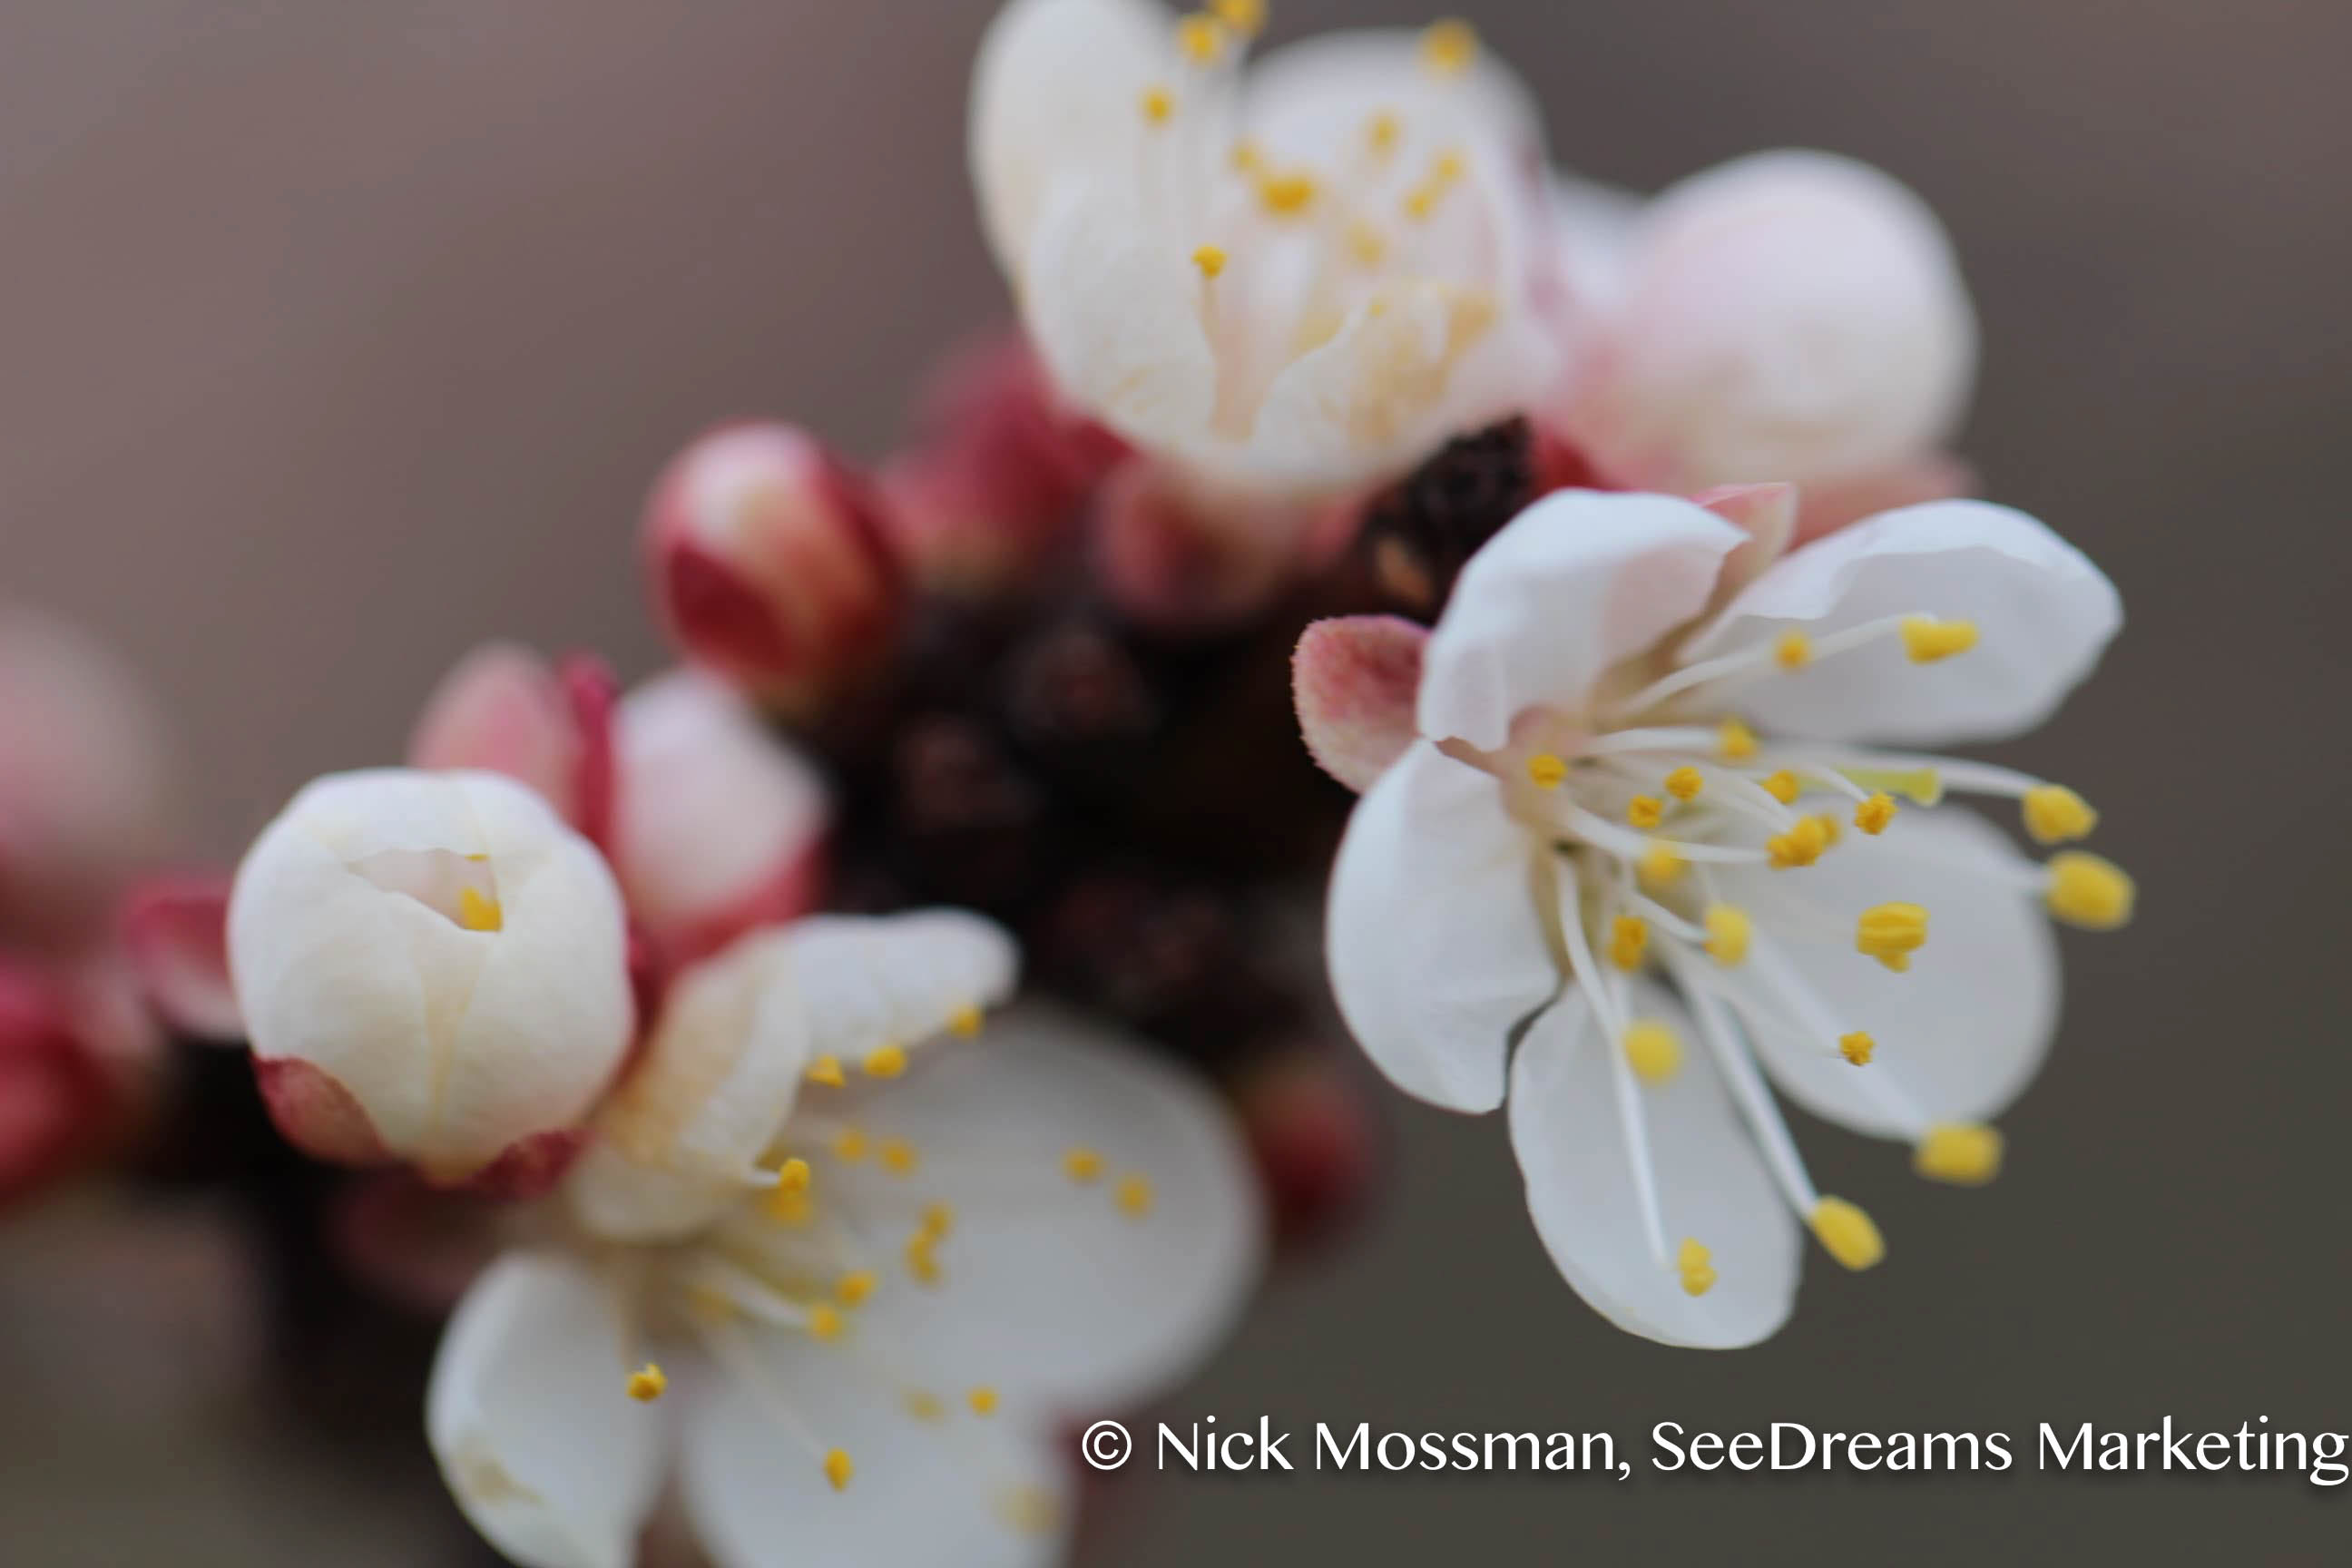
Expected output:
{"points": [[1586, 811], [841, 1274], [1294, 280]]}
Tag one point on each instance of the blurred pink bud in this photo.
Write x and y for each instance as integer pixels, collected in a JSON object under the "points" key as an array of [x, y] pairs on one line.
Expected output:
{"points": [[1354, 679], [770, 565], [81, 781], [58, 1098], [504, 710], [1316, 1138], [176, 935], [999, 475], [1177, 556], [721, 824], [1766, 514], [1828, 508], [1784, 316]]}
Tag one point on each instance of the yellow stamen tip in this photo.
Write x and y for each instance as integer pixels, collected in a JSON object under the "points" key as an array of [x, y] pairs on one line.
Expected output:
{"points": [[476, 911], [1244, 19], [1383, 131], [1873, 814], [1448, 166], [1287, 196], [1134, 1196], [1449, 46], [1082, 1165], [1728, 930], [1159, 105], [838, 1469], [1965, 1154], [1782, 786], [1200, 38], [792, 1208], [824, 1322], [924, 1406], [898, 1157], [1800, 846], [1422, 200], [1653, 1051], [1210, 259], [922, 1259], [1366, 246], [1734, 740], [1546, 771], [1696, 1266], [793, 1176], [1645, 811], [939, 1219], [1857, 1048], [826, 1070], [647, 1383], [888, 1062], [982, 1400], [1793, 651], [1659, 866], [1849, 1234], [1629, 941], [2056, 815], [965, 1021], [1248, 159], [854, 1287], [2090, 890], [1685, 782], [849, 1146], [1928, 640], [1891, 934], [1831, 830]]}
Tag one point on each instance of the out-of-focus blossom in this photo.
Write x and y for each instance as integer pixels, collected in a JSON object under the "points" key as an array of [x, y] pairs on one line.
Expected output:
{"points": [[174, 934], [1294, 280], [504, 709], [81, 781], [1000, 472], [1176, 552], [1587, 807], [64, 1064], [721, 826], [770, 564], [1314, 1139], [432, 968], [1788, 316], [859, 1271]]}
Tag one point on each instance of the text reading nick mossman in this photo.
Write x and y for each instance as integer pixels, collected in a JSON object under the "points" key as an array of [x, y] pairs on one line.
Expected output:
{"points": [[1786, 1449]]}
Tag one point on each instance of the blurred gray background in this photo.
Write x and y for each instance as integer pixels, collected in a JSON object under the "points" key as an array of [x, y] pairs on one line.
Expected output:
{"points": [[336, 337]]}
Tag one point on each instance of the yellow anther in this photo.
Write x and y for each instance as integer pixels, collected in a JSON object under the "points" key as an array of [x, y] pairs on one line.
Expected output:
{"points": [[2056, 815], [1287, 196], [838, 1469], [1244, 19], [898, 1157], [1029, 1511], [1653, 1050], [1873, 814], [1849, 1234], [1685, 782], [1082, 1165], [1200, 38], [887, 1062], [1247, 158], [1546, 771], [1832, 830], [922, 1259], [1645, 811], [1448, 167], [1659, 866], [1629, 941], [1734, 740], [1422, 200], [1696, 1266], [1891, 934], [1134, 1196], [1366, 246], [1928, 640], [1857, 1048], [793, 1176], [1210, 259], [965, 1021], [1965, 1154], [1159, 106], [1728, 930], [2089, 891], [854, 1287], [1383, 132], [849, 1146], [924, 1406], [982, 1400], [1449, 46], [824, 1321], [826, 1070], [647, 1383], [791, 1208], [1920, 787], [1781, 786], [1800, 846], [476, 911], [1793, 651], [939, 1219]]}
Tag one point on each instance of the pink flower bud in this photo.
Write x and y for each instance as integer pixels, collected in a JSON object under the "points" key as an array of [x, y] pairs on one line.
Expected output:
{"points": [[61, 1081], [721, 825], [770, 565], [1354, 678], [176, 935], [81, 771], [1315, 1136], [1179, 556], [504, 710]]}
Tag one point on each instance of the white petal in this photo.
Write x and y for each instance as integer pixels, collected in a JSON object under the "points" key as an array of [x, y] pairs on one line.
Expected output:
{"points": [[2043, 612], [1309, 101], [1434, 942], [1571, 585], [960, 1492], [1959, 1034], [898, 980], [528, 1416], [1052, 1292], [1058, 85], [1713, 1186]]}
